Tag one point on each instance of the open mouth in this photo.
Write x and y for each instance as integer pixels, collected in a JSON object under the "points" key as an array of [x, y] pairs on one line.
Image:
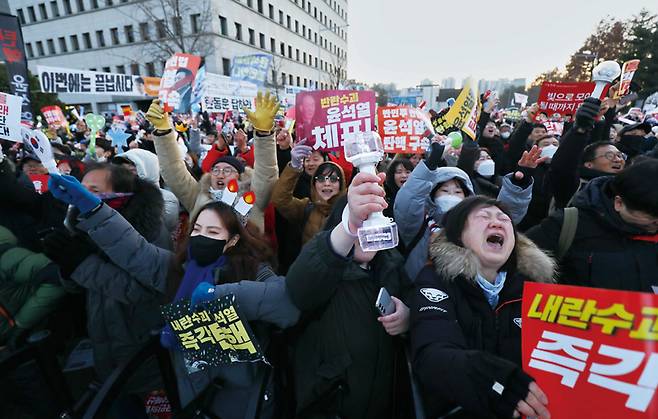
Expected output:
{"points": [[220, 185], [495, 240], [616, 167], [327, 191], [402, 181]]}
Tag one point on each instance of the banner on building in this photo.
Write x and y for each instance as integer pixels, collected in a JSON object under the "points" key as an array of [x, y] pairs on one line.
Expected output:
{"points": [[221, 94], [326, 117], [559, 99], [178, 81], [12, 52], [252, 68], [584, 344], [10, 117], [402, 129], [213, 333], [69, 80], [54, 116], [463, 114]]}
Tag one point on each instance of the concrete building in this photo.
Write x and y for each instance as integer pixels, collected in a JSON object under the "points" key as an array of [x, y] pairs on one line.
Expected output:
{"points": [[308, 39], [448, 83]]}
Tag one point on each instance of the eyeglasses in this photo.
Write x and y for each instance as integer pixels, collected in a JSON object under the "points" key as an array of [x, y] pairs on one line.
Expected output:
{"points": [[227, 171], [612, 156], [332, 178]]}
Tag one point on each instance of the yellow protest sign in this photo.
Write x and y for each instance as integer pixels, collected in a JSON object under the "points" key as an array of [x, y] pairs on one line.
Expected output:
{"points": [[463, 114]]}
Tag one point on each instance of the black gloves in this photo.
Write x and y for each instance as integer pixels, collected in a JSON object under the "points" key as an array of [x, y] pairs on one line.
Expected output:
{"points": [[66, 251], [586, 113], [434, 158], [516, 389]]}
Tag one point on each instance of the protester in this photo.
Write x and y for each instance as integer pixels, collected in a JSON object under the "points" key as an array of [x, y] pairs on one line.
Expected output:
{"points": [[479, 265], [397, 173]]}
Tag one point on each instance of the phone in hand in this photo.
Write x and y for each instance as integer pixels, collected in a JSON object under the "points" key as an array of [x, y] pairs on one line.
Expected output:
{"points": [[384, 303]]}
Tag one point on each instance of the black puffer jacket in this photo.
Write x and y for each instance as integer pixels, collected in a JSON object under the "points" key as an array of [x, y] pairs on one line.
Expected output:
{"points": [[461, 346], [606, 252]]}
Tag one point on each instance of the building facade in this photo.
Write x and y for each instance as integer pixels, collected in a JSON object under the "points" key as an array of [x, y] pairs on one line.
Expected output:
{"points": [[308, 40]]}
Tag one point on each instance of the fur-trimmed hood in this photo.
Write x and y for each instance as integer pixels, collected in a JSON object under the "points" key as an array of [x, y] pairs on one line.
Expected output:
{"points": [[452, 261], [244, 183]]}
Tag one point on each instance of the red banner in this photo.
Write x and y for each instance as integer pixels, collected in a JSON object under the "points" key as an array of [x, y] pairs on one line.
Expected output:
{"points": [[326, 117], [402, 129], [54, 116], [562, 98], [177, 82], [594, 352]]}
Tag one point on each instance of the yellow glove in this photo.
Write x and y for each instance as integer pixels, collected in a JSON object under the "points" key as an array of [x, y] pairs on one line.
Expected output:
{"points": [[158, 117], [266, 108]]}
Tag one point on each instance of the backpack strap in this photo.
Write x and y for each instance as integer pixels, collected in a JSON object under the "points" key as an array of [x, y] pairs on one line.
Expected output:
{"points": [[568, 231], [421, 232]]}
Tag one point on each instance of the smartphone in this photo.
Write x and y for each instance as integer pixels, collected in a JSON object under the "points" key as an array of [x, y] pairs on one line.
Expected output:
{"points": [[384, 303]]}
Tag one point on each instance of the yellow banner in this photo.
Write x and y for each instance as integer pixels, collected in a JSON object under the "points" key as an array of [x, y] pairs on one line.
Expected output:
{"points": [[463, 114]]}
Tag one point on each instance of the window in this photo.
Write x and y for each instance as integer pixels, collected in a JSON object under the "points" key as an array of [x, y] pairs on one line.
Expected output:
{"points": [[51, 46], [282, 48], [308, 7], [304, 61], [298, 81], [222, 26], [272, 45], [54, 8], [315, 12], [81, 5], [288, 21], [226, 66], [134, 69], [121, 69], [260, 6], [43, 11], [304, 31], [316, 62], [305, 83], [94, 4], [144, 31], [30, 12], [261, 40], [250, 3], [86, 40], [280, 17], [109, 3], [106, 69], [290, 79], [177, 25], [130, 33], [100, 39], [150, 69], [316, 38], [67, 7], [75, 45], [62, 44], [114, 36], [21, 16], [252, 37], [297, 54], [194, 22], [238, 31], [40, 50], [289, 51], [297, 26], [160, 29], [271, 9], [29, 50], [283, 78]]}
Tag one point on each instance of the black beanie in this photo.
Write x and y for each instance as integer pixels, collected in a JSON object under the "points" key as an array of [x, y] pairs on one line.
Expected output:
{"points": [[239, 166]]}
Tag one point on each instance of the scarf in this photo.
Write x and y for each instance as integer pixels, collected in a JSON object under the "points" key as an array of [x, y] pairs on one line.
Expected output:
{"points": [[491, 291]]}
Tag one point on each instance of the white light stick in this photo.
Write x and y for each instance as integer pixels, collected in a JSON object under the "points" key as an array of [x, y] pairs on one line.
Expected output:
{"points": [[37, 142], [603, 74]]}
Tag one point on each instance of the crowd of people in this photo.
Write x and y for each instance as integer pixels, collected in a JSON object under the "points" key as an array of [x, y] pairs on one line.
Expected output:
{"points": [[124, 230]]}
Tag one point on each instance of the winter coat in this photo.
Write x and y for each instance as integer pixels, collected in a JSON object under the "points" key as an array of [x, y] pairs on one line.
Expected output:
{"points": [[29, 286], [343, 357], [123, 293], [606, 252], [460, 346], [193, 195], [148, 169], [297, 210], [414, 207]]}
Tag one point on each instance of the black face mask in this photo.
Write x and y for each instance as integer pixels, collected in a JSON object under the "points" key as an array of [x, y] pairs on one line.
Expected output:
{"points": [[634, 142], [204, 250]]}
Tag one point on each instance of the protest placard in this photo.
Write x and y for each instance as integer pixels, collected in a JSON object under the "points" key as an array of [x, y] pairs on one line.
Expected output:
{"points": [[463, 114], [325, 117], [520, 98], [177, 82], [253, 68], [40, 183], [212, 334], [627, 72], [68, 80], [554, 127], [12, 53], [221, 94], [10, 117], [402, 129], [54, 116], [562, 98], [583, 344]]}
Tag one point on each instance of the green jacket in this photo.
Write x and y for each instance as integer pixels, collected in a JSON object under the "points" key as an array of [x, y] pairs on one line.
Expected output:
{"points": [[29, 285]]}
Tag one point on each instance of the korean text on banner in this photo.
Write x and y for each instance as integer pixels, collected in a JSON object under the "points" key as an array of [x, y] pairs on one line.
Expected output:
{"points": [[12, 52], [178, 81], [520, 98], [402, 129], [10, 117], [252, 68], [212, 334], [326, 117], [68, 80], [54, 116], [463, 114], [562, 98], [592, 344], [627, 73], [221, 94]]}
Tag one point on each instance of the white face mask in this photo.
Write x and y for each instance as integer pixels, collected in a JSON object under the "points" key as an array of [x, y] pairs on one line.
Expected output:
{"points": [[487, 168], [548, 151], [505, 135], [446, 202]]}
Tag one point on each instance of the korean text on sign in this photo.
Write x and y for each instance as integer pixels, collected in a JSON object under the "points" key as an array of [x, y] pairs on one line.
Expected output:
{"points": [[563, 98], [401, 129], [592, 344]]}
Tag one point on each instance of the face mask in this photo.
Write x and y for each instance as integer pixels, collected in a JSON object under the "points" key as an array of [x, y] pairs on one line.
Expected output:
{"points": [[548, 151], [204, 250], [487, 168], [505, 135], [634, 142], [216, 194], [446, 202]]}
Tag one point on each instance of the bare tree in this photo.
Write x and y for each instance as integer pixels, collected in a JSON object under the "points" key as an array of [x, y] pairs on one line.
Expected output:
{"points": [[275, 70], [338, 73]]}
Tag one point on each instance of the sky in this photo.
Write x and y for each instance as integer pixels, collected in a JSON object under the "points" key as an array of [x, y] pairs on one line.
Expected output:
{"points": [[406, 41]]}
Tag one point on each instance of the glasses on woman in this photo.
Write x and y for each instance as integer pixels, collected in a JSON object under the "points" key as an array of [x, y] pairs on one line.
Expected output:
{"points": [[612, 156], [332, 178], [226, 171]]}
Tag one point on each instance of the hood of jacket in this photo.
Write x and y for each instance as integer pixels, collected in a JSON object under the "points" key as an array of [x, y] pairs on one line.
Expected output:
{"points": [[452, 261], [146, 164], [596, 197], [319, 202], [144, 209], [442, 175], [244, 183], [7, 237]]}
